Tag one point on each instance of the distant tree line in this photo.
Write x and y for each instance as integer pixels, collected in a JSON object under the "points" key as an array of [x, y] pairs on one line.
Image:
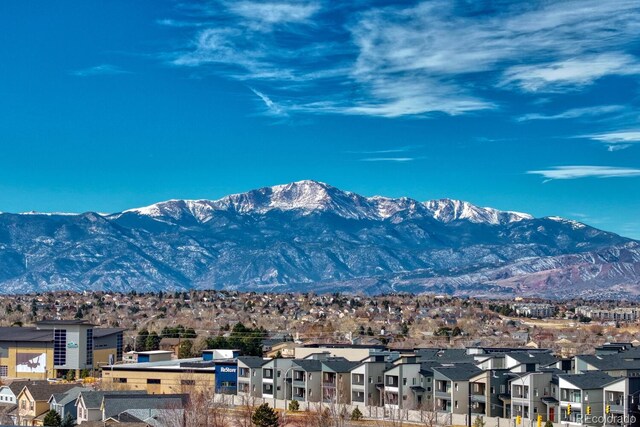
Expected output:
{"points": [[247, 340]]}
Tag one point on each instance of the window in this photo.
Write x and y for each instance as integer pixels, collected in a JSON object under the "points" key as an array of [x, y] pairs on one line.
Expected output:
{"points": [[153, 381], [60, 347], [4, 371], [119, 346], [404, 381], [456, 386], [89, 347], [456, 404], [493, 390]]}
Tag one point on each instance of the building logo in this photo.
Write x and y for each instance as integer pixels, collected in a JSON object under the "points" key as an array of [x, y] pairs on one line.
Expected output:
{"points": [[72, 344]]}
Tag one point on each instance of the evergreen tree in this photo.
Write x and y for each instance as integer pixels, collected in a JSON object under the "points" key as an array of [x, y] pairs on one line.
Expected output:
{"points": [[141, 340], [356, 415], [68, 421], [264, 416], [152, 342], [185, 350], [52, 419]]}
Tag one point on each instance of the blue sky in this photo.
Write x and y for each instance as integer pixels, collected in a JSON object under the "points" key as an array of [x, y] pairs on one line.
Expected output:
{"points": [[528, 106]]}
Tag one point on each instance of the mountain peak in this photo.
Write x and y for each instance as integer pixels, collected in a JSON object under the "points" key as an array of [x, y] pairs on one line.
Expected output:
{"points": [[308, 196], [447, 210]]}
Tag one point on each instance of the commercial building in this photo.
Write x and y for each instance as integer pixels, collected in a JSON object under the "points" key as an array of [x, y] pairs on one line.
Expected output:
{"points": [[53, 347]]}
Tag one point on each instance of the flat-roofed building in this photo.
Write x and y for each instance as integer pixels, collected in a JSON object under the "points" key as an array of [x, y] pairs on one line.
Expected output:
{"points": [[53, 347]]}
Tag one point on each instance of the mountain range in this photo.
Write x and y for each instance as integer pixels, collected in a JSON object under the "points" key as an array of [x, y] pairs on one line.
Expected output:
{"points": [[311, 237]]}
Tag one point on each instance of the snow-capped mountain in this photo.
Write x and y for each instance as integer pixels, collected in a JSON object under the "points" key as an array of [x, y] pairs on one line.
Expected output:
{"points": [[311, 236], [307, 197]]}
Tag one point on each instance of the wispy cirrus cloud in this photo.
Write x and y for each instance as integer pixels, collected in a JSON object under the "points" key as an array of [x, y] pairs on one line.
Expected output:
{"points": [[263, 16], [100, 70], [575, 113], [570, 73], [388, 159], [433, 56], [272, 108], [618, 140], [576, 172]]}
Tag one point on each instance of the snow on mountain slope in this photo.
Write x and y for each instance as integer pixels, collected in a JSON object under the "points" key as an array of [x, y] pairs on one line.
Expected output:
{"points": [[310, 236], [312, 196]]}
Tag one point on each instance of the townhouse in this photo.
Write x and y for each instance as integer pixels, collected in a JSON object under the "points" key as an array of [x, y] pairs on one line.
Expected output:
{"points": [[534, 394], [250, 375], [582, 397], [451, 387], [367, 381]]}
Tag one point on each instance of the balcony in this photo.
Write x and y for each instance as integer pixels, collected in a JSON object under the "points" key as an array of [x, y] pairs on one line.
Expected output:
{"points": [[618, 409], [443, 394], [479, 398], [357, 380]]}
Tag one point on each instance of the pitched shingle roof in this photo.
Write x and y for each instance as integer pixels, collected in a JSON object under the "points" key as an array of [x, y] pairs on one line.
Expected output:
{"points": [[589, 380], [458, 372], [93, 399], [115, 405], [252, 361], [42, 390]]}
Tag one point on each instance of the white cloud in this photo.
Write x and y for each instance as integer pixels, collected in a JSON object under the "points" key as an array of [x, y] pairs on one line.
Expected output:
{"points": [[575, 113], [575, 172], [574, 72], [99, 70], [616, 141], [414, 60], [263, 16], [388, 159], [272, 108]]}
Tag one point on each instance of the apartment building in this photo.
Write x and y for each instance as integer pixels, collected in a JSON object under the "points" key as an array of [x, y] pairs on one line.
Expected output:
{"points": [[276, 379], [621, 399], [250, 375], [534, 394], [451, 387], [367, 381], [582, 397], [336, 380], [486, 388]]}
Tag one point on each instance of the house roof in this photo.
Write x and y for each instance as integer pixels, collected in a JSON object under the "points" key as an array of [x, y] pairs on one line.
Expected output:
{"points": [[589, 380], [611, 362], [252, 361], [93, 399], [526, 357], [42, 390], [449, 355], [115, 405], [459, 372], [339, 365], [68, 396], [309, 365]]}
